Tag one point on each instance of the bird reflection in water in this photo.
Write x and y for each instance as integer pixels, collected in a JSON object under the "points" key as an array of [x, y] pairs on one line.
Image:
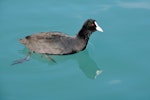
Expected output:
{"points": [[88, 65], [85, 62]]}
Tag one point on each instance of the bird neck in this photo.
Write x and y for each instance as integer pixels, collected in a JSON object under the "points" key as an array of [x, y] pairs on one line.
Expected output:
{"points": [[84, 34]]}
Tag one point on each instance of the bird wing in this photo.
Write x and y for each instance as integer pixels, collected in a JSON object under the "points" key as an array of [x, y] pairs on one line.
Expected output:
{"points": [[49, 42]]}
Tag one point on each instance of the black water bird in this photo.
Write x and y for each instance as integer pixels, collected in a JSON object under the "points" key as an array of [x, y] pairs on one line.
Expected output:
{"points": [[58, 43]]}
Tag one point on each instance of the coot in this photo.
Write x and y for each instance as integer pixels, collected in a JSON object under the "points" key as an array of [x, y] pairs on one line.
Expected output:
{"points": [[57, 43]]}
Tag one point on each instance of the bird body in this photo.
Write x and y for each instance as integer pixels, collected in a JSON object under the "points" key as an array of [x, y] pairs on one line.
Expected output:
{"points": [[55, 43], [59, 43]]}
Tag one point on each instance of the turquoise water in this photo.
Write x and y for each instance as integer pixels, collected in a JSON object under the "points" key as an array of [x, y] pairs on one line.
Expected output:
{"points": [[114, 66]]}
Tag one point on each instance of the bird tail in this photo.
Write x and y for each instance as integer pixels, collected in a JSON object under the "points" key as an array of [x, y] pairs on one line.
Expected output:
{"points": [[23, 41]]}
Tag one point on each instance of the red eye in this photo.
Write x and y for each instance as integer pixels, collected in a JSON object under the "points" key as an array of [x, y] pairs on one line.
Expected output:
{"points": [[92, 25]]}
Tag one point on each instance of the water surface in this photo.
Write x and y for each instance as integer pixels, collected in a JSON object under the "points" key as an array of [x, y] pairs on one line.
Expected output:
{"points": [[121, 53]]}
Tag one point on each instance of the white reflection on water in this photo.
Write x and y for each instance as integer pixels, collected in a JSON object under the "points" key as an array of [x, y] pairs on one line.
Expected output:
{"points": [[141, 4], [125, 4], [113, 82]]}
